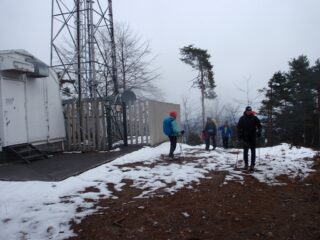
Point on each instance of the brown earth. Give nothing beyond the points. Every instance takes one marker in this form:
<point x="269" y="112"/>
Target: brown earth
<point x="211" y="210"/>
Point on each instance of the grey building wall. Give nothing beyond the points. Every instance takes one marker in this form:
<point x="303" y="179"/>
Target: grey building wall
<point x="157" y="112"/>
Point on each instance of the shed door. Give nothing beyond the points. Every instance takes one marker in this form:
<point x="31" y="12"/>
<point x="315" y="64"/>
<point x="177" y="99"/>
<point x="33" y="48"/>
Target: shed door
<point x="14" y="112"/>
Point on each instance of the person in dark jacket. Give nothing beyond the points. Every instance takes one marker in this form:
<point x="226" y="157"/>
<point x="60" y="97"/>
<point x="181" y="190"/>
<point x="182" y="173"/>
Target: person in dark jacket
<point x="210" y="131"/>
<point x="225" y="134"/>
<point x="249" y="127"/>
<point x="170" y="128"/>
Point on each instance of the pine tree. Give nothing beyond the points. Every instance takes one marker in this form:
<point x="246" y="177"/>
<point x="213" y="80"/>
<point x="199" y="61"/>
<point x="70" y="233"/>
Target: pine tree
<point x="274" y="106"/>
<point x="301" y="99"/>
<point x="198" y="59"/>
<point x="315" y="78"/>
<point x="292" y="104"/>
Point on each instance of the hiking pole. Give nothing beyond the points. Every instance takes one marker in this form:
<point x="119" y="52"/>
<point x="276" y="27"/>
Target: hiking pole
<point x="180" y="145"/>
<point x="236" y="165"/>
<point x="258" y="152"/>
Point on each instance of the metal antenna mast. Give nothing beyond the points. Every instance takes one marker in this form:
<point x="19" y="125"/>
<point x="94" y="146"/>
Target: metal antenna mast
<point x="76" y="52"/>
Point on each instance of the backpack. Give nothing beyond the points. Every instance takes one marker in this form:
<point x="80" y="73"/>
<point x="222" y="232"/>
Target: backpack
<point x="167" y="129"/>
<point x="211" y="129"/>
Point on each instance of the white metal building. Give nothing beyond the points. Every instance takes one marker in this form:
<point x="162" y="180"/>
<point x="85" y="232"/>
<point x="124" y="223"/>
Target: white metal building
<point x="30" y="103"/>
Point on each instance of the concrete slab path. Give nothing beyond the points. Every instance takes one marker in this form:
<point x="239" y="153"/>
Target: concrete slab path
<point x="60" y="166"/>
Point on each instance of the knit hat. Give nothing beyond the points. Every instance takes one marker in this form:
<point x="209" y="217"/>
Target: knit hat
<point x="173" y="114"/>
<point x="248" y="108"/>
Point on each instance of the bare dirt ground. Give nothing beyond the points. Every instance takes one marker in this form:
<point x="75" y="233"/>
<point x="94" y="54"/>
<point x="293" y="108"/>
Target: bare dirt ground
<point x="211" y="211"/>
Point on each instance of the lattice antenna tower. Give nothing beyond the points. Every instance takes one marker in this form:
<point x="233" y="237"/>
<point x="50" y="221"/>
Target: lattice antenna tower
<point x="77" y="54"/>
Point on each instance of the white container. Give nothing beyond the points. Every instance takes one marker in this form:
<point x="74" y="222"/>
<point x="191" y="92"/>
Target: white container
<point x="30" y="104"/>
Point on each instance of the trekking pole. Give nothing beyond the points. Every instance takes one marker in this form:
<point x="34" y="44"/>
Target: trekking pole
<point x="180" y="145"/>
<point x="257" y="147"/>
<point x="236" y="165"/>
<point x="258" y="153"/>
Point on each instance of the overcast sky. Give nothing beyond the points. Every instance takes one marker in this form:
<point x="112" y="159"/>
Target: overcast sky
<point x="248" y="40"/>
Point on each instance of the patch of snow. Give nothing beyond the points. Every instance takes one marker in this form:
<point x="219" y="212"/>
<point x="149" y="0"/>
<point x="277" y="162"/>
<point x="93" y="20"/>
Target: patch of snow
<point x="42" y="210"/>
<point x="185" y="214"/>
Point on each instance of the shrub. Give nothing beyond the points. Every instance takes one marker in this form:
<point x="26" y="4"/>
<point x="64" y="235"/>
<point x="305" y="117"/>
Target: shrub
<point x="194" y="139"/>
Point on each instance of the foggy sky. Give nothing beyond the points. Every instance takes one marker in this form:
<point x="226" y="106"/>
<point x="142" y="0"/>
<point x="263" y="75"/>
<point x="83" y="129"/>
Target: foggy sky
<point x="248" y="40"/>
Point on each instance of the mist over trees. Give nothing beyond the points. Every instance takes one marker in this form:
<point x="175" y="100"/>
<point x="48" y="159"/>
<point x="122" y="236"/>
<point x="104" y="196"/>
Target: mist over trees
<point x="135" y="64"/>
<point x="220" y="112"/>
<point x="198" y="59"/>
<point x="291" y="105"/>
<point x="289" y="111"/>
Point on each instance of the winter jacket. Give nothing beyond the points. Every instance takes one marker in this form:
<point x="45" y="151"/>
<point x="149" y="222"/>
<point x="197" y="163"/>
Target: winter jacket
<point x="248" y="126"/>
<point x="210" y="128"/>
<point x="225" y="131"/>
<point x="170" y="127"/>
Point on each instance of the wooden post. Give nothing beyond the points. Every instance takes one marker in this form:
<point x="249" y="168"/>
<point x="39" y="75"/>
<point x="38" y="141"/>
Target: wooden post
<point x="68" y="124"/>
<point x="109" y="129"/>
<point x="131" y="122"/>
<point x="78" y="121"/>
<point x="88" y="126"/>
<point x="84" y="126"/>
<point x="136" y="123"/>
<point x="124" y="117"/>
<point x="140" y="121"/>
<point x="146" y="124"/>
<point x="103" y="126"/>
<point x="74" y="139"/>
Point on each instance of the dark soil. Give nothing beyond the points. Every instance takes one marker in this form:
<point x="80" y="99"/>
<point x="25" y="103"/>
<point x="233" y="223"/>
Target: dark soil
<point x="211" y="210"/>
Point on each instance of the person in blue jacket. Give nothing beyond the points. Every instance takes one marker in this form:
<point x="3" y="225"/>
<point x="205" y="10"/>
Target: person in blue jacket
<point x="226" y="133"/>
<point x="170" y="128"/>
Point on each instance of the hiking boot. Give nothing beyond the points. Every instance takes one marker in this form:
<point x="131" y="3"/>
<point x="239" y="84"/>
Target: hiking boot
<point x="251" y="168"/>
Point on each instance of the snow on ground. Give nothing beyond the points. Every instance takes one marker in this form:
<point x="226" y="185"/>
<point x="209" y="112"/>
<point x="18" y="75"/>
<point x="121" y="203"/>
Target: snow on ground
<point x="42" y="210"/>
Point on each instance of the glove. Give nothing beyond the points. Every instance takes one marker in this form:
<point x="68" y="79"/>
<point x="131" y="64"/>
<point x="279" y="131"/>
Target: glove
<point x="182" y="132"/>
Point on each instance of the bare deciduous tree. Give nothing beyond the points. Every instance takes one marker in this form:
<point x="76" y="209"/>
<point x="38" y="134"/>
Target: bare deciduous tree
<point x="135" y="65"/>
<point x="134" y="62"/>
<point x="191" y="119"/>
<point x="232" y="113"/>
